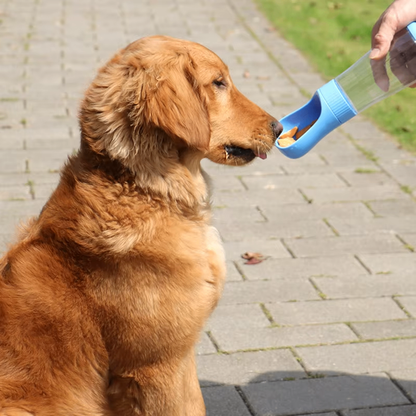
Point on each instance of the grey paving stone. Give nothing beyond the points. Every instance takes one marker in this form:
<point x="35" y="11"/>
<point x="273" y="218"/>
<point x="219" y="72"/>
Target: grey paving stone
<point x="357" y="226"/>
<point x="361" y="358"/>
<point x="398" y="208"/>
<point x="386" y="151"/>
<point x="9" y="225"/>
<point x="298" y="268"/>
<point x="13" y="161"/>
<point x="50" y="178"/>
<point x="10" y="105"/>
<point x="338" y="138"/>
<point x="363" y="193"/>
<point x="409" y="302"/>
<point x="204" y="345"/>
<point x="325" y="394"/>
<point x="231" y="317"/>
<point x="12" y="140"/>
<point x="70" y="145"/>
<point x="383" y="411"/>
<point x="43" y="191"/>
<point x="246" y="215"/>
<point x="361" y="128"/>
<point x="409" y="238"/>
<point x="329" y="180"/>
<point x="46" y="161"/>
<point x="259" y="197"/>
<point x="310" y="163"/>
<point x="323" y="414"/>
<point x="368" y="286"/>
<point x="246" y="367"/>
<point x="389" y="263"/>
<point x="224" y="401"/>
<point x="21" y="209"/>
<point x="280" y="111"/>
<point x="269" y="248"/>
<point x="227" y="183"/>
<point x="331" y="311"/>
<point x="287" y="97"/>
<point x="405" y="175"/>
<point x="309" y="81"/>
<point x="267" y="291"/>
<point x="5" y="241"/>
<point x="363" y="178"/>
<point x="240" y="339"/>
<point x="342" y="154"/>
<point x="10" y="193"/>
<point x="10" y="123"/>
<point x="335" y="246"/>
<point x="51" y="79"/>
<point x="388" y="329"/>
<point x="233" y="275"/>
<point x="406" y="379"/>
<point x="36" y="97"/>
<point x="234" y="230"/>
<point x="256" y="168"/>
<point x="302" y="212"/>
<point x="23" y="179"/>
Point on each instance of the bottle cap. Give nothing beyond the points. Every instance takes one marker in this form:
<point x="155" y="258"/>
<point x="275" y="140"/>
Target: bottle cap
<point x="412" y="30"/>
<point x="337" y="101"/>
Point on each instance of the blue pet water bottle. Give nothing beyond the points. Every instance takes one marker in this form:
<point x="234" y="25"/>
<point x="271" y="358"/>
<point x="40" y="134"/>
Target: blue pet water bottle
<point x="359" y="87"/>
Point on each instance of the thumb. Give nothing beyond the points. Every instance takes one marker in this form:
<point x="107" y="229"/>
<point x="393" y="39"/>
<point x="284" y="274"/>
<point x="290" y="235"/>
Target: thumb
<point x="381" y="39"/>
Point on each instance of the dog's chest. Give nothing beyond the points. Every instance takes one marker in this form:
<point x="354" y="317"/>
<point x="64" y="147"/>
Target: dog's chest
<point x="158" y="305"/>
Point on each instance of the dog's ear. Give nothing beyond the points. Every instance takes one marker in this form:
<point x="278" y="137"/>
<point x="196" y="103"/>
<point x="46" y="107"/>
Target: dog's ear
<point x="140" y="92"/>
<point x="176" y="104"/>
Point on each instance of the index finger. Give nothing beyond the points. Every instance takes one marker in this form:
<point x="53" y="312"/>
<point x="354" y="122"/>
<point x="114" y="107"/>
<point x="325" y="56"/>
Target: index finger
<point x="382" y="36"/>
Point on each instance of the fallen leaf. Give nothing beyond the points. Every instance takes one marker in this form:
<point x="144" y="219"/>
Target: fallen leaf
<point x="253" y="258"/>
<point x="253" y="261"/>
<point x="249" y="255"/>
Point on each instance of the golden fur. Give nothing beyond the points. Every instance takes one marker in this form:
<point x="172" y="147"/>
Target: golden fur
<point x="104" y="295"/>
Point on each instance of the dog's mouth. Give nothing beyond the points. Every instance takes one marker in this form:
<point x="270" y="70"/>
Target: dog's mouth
<point x="241" y="153"/>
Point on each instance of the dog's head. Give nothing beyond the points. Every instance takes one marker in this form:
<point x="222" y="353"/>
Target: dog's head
<point x="160" y="96"/>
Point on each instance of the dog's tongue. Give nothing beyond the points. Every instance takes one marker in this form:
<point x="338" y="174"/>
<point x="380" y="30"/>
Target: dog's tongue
<point x="262" y="156"/>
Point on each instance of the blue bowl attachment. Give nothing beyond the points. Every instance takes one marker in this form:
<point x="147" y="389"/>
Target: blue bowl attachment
<point x="329" y="108"/>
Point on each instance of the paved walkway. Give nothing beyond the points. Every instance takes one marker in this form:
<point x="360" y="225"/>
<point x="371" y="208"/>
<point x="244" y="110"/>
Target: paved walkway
<point x="325" y="325"/>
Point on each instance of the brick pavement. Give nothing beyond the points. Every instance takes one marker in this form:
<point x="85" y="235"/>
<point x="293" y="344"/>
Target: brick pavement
<point x="326" y="325"/>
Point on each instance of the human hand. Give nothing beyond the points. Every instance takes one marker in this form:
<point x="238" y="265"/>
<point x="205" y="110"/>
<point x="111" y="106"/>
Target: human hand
<point x="396" y="17"/>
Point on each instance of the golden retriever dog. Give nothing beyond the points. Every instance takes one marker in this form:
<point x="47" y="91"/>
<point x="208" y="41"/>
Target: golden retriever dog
<point x="103" y="297"/>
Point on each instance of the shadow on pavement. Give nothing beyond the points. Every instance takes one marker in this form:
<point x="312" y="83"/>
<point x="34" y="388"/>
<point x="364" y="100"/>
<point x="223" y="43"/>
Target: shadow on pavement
<point x="329" y="394"/>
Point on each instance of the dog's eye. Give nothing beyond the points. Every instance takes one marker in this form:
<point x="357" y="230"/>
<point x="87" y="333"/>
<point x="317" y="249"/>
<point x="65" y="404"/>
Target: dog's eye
<point x="220" y="83"/>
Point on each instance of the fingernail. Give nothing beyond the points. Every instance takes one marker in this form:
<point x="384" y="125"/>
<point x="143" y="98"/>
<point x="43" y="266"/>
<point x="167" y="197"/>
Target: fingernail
<point x="374" y="53"/>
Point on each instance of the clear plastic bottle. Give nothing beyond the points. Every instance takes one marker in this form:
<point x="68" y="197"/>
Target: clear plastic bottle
<point x="368" y="81"/>
<point x="359" y="87"/>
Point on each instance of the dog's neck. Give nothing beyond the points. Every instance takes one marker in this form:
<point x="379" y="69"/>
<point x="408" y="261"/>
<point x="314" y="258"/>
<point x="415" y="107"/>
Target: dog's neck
<point x="120" y="207"/>
<point x="175" y="177"/>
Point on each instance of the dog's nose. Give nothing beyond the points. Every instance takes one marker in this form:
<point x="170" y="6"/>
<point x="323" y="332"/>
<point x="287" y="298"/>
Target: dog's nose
<point x="276" y="127"/>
